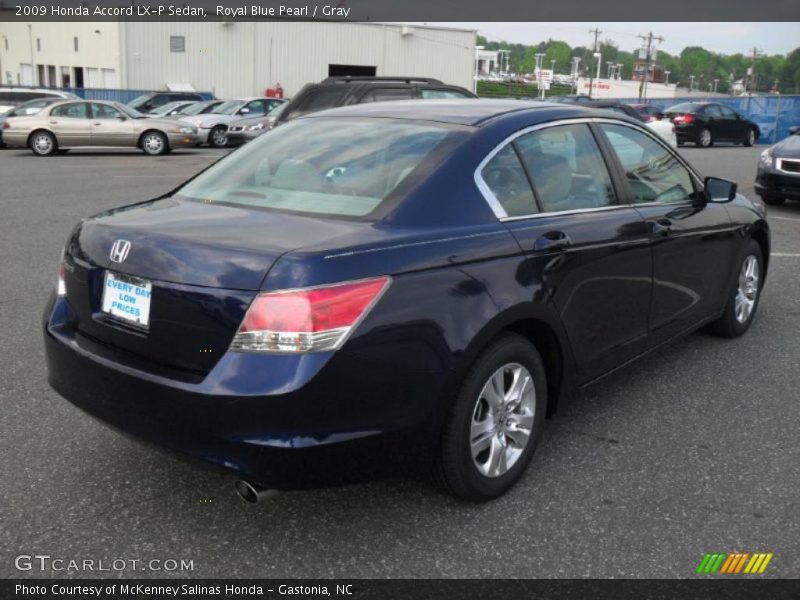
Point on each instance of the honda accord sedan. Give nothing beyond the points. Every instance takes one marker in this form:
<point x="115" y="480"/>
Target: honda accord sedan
<point x="778" y="173"/>
<point x="414" y="283"/>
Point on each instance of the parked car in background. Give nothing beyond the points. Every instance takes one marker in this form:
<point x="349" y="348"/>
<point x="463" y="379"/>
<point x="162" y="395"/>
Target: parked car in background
<point x="82" y="124"/>
<point x="198" y="108"/>
<point x="664" y="128"/>
<point x="153" y="100"/>
<point x="778" y="173"/>
<point x="704" y="123"/>
<point x="418" y="282"/>
<point x="11" y="97"/>
<point x="648" y="112"/>
<point x="341" y="91"/>
<point x="244" y="130"/>
<point x="26" y="108"/>
<point x="171" y="109"/>
<point x="213" y="126"/>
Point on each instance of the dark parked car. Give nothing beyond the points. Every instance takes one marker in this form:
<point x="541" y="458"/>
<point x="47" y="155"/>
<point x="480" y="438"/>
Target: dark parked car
<point x="648" y="112"/>
<point x="778" y="175"/>
<point x="704" y="123"/>
<point x="149" y="102"/>
<point x="398" y="282"/>
<point x="341" y="91"/>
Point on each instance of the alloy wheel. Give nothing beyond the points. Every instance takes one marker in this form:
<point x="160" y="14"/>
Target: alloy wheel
<point x="747" y="290"/>
<point x="219" y="136"/>
<point x="153" y="143"/>
<point x="43" y="143"/>
<point x="502" y="420"/>
<point x="705" y="138"/>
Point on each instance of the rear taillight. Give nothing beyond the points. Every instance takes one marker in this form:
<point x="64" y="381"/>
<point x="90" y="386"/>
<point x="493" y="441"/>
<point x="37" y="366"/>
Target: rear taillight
<point x="683" y="119"/>
<point x="307" y="320"/>
<point x="61" y="287"/>
<point x="6" y="125"/>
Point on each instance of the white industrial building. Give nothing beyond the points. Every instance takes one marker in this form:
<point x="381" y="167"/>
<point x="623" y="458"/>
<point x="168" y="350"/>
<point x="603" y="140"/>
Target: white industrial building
<point x="230" y="59"/>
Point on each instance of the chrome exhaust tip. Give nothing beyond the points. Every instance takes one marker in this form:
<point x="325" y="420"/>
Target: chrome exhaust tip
<point x="251" y="492"/>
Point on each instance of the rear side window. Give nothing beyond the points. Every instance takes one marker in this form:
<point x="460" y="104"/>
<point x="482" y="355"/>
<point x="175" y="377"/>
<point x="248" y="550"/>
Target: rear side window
<point x="727" y="112"/>
<point x="317" y="99"/>
<point x="438" y="94"/>
<point x="386" y="94"/>
<point x="567" y="169"/>
<point x="506" y="179"/>
<point x="320" y="166"/>
<point x="712" y="110"/>
<point x="75" y="110"/>
<point x="654" y="174"/>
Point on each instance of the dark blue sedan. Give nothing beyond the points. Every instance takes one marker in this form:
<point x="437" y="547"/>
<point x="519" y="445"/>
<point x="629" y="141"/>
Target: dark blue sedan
<point x="397" y="284"/>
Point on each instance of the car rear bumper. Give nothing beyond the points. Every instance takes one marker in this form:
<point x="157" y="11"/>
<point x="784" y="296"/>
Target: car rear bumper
<point x="769" y="183"/>
<point x="284" y="421"/>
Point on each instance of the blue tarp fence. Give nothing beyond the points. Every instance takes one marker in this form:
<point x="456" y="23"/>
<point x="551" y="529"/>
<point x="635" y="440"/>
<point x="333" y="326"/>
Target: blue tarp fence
<point x="774" y="115"/>
<point x="123" y="96"/>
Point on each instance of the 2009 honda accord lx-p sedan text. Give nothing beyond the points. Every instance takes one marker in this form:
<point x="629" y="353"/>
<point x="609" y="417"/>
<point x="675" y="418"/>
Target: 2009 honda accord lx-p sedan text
<point x="397" y="283"/>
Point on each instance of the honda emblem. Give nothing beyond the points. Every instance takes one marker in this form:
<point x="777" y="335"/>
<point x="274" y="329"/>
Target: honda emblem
<point x="119" y="251"/>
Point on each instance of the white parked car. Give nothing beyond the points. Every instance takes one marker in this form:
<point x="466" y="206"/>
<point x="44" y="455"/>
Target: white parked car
<point x="663" y="127"/>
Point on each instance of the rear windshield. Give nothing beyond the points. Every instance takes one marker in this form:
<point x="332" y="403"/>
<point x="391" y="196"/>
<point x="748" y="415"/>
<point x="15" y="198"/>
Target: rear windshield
<point x="340" y="167"/>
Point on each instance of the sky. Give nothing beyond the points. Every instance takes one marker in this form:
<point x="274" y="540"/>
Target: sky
<point x="724" y="38"/>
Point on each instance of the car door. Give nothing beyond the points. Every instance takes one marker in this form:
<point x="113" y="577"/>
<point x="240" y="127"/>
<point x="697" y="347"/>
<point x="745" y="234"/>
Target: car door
<point x="71" y="124"/>
<point x="254" y="108"/>
<point x="716" y="124"/>
<point x="735" y="126"/>
<point x="692" y="241"/>
<point x="588" y="250"/>
<point x="110" y="127"/>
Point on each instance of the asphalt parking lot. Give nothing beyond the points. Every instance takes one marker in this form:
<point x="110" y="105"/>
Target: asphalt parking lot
<point x="695" y="450"/>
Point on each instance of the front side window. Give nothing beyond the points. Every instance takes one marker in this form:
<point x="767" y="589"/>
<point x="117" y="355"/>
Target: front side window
<point x="654" y="173"/>
<point x="506" y="179"/>
<point x="321" y="166"/>
<point x="712" y="110"/>
<point x="74" y="110"/>
<point x="566" y="167"/>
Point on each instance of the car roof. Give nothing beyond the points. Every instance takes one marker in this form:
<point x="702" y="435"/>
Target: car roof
<point x="460" y="112"/>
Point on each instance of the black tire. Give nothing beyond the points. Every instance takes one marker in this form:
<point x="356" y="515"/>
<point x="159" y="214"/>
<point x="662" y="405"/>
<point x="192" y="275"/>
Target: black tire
<point x="217" y="137"/>
<point x="728" y="325"/>
<point x="43" y="143"/>
<point x="773" y="200"/>
<point x="750" y="137"/>
<point x="456" y="469"/>
<point x="703" y="140"/>
<point x="154" y="143"/>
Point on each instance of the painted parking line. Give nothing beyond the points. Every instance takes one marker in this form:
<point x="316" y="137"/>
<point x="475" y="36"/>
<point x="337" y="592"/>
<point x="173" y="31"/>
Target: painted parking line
<point x="789" y="254"/>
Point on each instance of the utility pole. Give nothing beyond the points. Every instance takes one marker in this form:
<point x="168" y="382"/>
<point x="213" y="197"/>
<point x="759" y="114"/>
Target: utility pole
<point x="596" y="33"/>
<point x="751" y="79"/>
<point x="649" y="39"/>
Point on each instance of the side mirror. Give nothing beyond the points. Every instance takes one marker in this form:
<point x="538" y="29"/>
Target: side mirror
<point x="794" y="130"/>
<point x="719" y="190"/>
<point x="244" y="111"/>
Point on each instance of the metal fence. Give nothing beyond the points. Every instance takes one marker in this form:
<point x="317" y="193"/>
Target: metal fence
<point x="774" y="115"/>
<point x="119" y="95"/>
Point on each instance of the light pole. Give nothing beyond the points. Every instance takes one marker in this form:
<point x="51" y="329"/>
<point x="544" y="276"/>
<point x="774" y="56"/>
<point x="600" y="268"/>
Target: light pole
<point x="666" y="74"/>
<point x="475" y="77"/>
<point x="691" y="82"/>
<point x="599" y="58"/>
<point x="716" y="82"/>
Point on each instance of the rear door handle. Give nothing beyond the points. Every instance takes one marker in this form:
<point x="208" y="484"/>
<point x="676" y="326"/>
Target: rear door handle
<point x="96" y="123"/>
<point x="552" y="241"/>
<point x="661" y="227"/>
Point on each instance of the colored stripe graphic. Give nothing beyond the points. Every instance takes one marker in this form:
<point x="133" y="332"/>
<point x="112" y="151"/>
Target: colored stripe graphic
<point x="734" y="563"/>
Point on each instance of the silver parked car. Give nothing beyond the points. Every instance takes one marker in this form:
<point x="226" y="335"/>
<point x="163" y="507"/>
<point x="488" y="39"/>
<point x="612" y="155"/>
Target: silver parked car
<point x="214" y="125"/>
<point x="242" y="131"/>
<point x="66" y="125"/>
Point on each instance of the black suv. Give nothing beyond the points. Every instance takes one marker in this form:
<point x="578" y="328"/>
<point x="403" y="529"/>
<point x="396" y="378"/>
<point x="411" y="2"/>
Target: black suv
<point x="341" y="91"/>
<point x="147" y="102"/>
